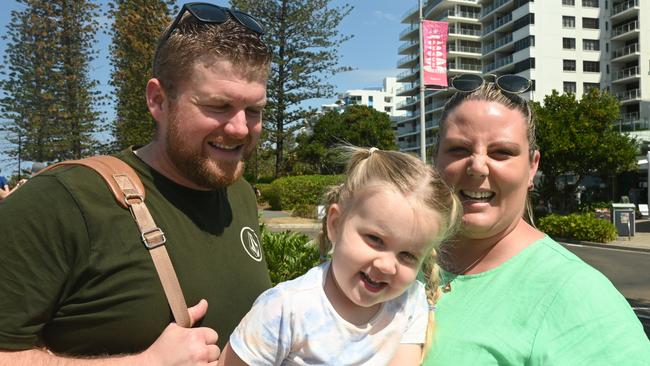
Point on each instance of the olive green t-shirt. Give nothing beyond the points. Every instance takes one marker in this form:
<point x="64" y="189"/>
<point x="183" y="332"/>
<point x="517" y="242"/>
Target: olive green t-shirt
<point x="76" y="277"/>
<point x="544" y="306"/>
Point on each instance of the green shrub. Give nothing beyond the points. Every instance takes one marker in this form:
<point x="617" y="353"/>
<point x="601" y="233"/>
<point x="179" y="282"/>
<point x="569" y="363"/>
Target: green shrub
<point x="271" y="195"/>
<point x="288" y="254"/>
<point x="302" y="190"/>
<point x="304" y="211"/>
<point x="578" y="227"/>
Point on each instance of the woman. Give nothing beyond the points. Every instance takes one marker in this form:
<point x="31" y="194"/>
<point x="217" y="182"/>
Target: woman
<point x="511" y="295"/>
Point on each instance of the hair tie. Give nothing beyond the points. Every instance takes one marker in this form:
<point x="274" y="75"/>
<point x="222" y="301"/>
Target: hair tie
<point x="372" y="150"/>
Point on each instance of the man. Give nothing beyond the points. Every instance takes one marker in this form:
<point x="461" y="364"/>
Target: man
<point x="78" y="287"/>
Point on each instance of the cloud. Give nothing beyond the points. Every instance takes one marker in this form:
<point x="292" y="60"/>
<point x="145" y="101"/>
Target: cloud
<point x="363" y="78"/>
<point x="379" y="16"/>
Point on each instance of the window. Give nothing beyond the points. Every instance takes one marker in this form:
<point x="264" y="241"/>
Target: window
<point x="591" y="45"/>
<point x="590" y="23"/>
<point x="388" y="109"/>
<point x="525" y="43"/>
<point x="523" y="21"/>
<point x="524" y="65"/>
<point x="569" y="65"/>
<point x="569" y="2"/>
<point x="590" y="66"/>
<point x="569" y="43"/>
<point x="388" y="99"/>
<point x="568" y="22"/>
<point x="590" y="3"/>
<point x="569" y="87"/>
<point x="586" y="87"/>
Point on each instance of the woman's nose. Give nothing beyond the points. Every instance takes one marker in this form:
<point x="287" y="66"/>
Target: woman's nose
<point x="477" y="166"/>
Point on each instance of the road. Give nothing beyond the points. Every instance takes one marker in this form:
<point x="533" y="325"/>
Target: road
<point x="628" y="271"/>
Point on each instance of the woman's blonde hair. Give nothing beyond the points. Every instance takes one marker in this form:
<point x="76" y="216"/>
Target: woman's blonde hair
<point x="408" y="175"/>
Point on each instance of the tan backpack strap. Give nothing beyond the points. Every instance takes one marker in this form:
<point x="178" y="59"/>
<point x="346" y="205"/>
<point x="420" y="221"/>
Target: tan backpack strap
<point x="129" y="193"/>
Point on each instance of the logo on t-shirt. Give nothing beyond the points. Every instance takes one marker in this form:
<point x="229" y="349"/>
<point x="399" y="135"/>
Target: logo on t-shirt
<point x="251" y="243"/>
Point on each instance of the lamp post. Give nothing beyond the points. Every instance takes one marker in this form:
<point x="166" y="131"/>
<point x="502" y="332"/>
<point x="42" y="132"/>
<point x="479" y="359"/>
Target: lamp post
<point x="423" y="127"/>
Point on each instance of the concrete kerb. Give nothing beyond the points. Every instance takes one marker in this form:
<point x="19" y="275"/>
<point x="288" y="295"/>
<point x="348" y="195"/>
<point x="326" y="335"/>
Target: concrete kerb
<point x="611" y="245"/>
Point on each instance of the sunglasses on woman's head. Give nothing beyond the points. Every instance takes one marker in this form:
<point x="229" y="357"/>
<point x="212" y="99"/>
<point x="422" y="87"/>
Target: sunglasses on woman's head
<point x="210" y="13"/>
<point x="514" y="84"/>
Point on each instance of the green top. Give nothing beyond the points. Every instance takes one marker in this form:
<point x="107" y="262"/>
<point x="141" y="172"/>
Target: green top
<point x="76" y="276"/>
<point x="544" y="306"/>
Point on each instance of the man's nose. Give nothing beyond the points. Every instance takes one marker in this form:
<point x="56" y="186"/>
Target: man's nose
<point x="237" y="126"/>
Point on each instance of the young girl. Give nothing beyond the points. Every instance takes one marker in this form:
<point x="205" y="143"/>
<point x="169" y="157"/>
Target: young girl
<point x="364" y="306"/>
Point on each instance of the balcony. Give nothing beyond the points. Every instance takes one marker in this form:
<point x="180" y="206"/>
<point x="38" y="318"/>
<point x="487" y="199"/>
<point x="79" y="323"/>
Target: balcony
<point x="432" y="4"/>
<point x="408" y="101"/>
<point x="411" y="28"/>
<point x="625" y="51"/>
<point x="625" y="28"/>
<point x="501" y="21"/>
<point x="406" y="75"/>
<point x="466" y="49"/>
<point x="626" y="73"/>
<point x="410" y="11"/>
<point x="492" y="7"/>
<point x="498" y="63"/>
<point x="410" y="88"/>
<point x="465" y="31"/>
<point x="406" y="61"/>
<point x="620" y="8"/>
<point x="407" y="45"/>
<point x="463" y="67"/>
<point x="628" y="95"/>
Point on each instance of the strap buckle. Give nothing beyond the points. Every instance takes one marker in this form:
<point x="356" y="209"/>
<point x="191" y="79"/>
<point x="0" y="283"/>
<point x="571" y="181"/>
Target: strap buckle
<point x="132" y="196"/>
<point x="149" y="241"/>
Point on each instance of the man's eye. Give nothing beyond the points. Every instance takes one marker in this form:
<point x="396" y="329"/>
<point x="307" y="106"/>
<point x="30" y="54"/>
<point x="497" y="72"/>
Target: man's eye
<point x="254" y="112"/>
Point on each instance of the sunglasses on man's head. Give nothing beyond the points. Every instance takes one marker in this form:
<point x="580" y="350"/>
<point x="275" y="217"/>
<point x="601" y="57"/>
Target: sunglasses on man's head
<point x="210" y="13"/>
<point x="514" y="84"/>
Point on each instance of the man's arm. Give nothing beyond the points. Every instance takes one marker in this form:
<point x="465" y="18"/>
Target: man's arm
<point x="176" y="346"/>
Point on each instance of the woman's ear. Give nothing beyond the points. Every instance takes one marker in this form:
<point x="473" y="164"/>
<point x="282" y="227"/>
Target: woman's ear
<point x="333" y="221"/>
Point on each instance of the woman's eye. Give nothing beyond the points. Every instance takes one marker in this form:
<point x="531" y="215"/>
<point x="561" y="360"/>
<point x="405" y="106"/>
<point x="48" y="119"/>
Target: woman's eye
<point x="457" y="150"/>
<point x="503" y="154"/>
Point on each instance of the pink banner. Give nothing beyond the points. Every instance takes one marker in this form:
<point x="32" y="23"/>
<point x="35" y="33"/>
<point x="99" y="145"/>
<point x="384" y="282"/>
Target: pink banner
<point x="434" y="60"/>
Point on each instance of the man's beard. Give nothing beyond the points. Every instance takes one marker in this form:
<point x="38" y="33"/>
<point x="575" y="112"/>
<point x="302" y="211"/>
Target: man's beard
<point x="196" y="165"/>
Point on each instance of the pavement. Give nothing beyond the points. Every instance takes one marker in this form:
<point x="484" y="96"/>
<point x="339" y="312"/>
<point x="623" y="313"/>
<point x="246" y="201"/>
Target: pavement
<point x="282" y="221"/>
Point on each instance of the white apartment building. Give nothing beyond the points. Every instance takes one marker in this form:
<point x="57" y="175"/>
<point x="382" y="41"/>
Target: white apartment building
<point x="383" y="99"/>
<point x="566" y="45"/>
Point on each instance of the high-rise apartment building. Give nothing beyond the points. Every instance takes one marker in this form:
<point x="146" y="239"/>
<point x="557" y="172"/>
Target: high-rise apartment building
<point x="463" y="56"/>
<point x="566" y="45"/>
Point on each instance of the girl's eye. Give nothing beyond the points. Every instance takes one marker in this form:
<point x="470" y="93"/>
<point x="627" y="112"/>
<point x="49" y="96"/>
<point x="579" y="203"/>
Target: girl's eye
<point x="374" y="240"/>
<point x="409" y="258"/>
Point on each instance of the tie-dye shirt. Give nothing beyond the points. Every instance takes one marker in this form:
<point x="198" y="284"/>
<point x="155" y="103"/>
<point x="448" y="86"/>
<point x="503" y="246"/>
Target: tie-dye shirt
<point x="295" y="324"/>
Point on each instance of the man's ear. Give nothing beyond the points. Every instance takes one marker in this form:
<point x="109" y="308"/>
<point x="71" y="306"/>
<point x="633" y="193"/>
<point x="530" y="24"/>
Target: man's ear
<point x="334" y="217"/>
<point x="156" y="99"/>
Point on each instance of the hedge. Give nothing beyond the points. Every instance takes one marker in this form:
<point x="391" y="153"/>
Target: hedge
<point x="290" y="192"/>
<point x="578" y="227"/>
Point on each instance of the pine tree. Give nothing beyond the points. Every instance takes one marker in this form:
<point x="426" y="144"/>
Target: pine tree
<point x="47" y="105"/>
<point x="304" y="38"/>
<point x="78" y="118"/>
<point x="136" y="29"/>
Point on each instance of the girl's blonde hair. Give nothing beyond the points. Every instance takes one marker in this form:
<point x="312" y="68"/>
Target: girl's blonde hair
<point x="409" y="176"/>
